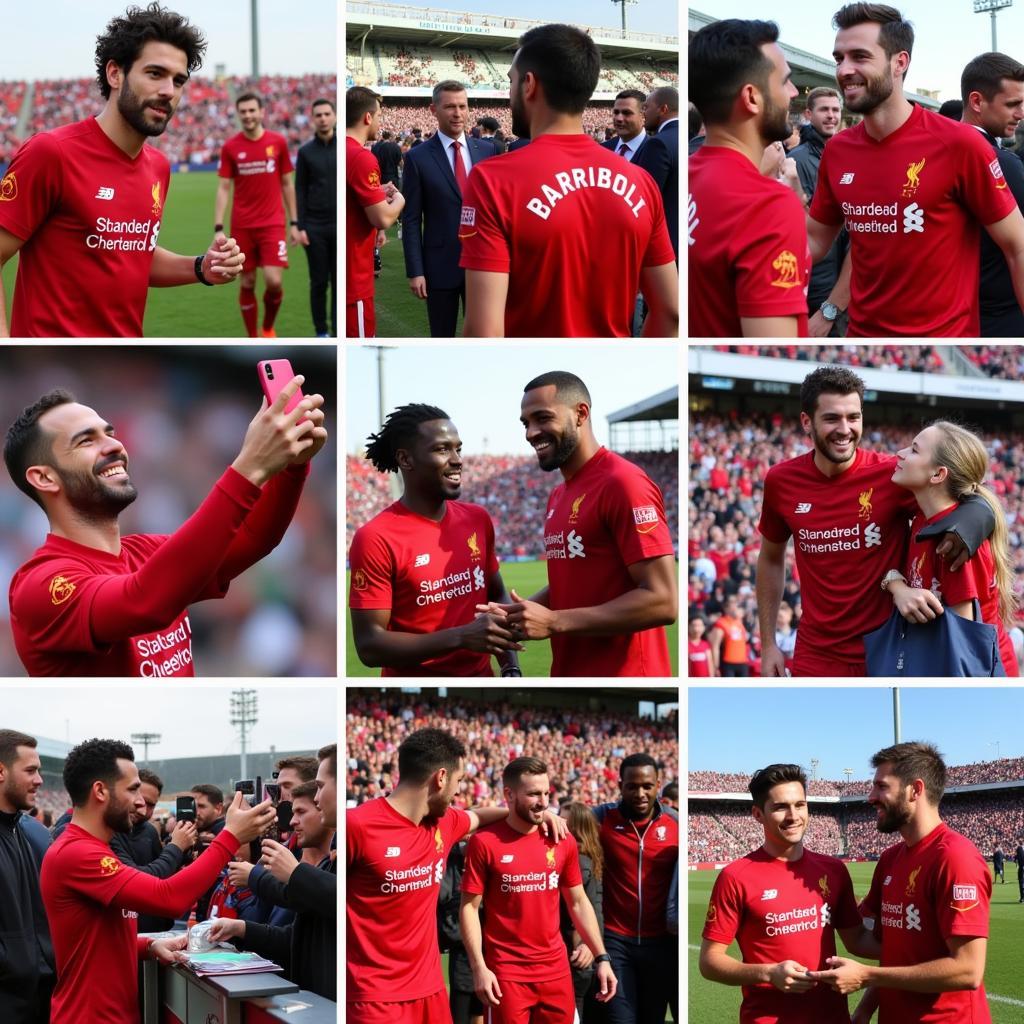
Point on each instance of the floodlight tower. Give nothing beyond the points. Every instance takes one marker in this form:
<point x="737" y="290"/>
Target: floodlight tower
<point x="624" y="2"/>
<point x="815" y="762"/>
<point x="146" y="739"/>
<point x="255" y="43"/>
<point x="991" y="6"/>
<point x="244" y="715"/>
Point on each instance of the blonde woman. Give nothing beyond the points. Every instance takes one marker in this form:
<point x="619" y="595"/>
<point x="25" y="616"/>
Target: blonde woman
<point x="944" y="464"/>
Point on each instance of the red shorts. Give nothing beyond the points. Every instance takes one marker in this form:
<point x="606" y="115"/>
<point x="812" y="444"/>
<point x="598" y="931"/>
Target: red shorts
<point x="807" y="663"/>
<point x="360" y="319"/>
<point x="428" y="1010"/>
<point x="534" y="1002"/>
<point x="263" y="247"/>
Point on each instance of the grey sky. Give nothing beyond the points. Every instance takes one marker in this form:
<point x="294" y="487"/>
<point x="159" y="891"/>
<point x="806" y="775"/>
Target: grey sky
<point x="479" y="386"/>
<point x="192" y="718"/>
<point x="948" y="33"/>
<point x="741" y="730"/>
<point x="56" y="39"/>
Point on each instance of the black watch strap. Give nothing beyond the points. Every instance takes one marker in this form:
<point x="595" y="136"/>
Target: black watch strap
<point x="199" y="272"/>
<point x="604" y="958"/>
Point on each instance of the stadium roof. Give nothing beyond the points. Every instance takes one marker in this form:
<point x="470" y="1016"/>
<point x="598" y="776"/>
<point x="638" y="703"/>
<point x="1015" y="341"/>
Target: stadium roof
<point x="809" y="70"/>
<point x="662" y="406"/>
<point x="432" y="26"/>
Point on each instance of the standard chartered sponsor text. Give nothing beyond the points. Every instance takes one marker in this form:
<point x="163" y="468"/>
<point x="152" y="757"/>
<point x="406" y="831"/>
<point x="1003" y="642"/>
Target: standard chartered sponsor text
<point x="117" y="235"/>
<point x="408" y="879"/>
<point x="528" y="881"/>
<point x="837" y="538"/>
<point x="455" y="584"/>
<point x="800" y="919"/>
<point x="152" y="648"/>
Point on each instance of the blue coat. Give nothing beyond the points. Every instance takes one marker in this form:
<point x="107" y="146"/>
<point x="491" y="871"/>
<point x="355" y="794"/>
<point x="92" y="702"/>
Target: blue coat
<point x="659" y="156"/>
<point x="433" y="205"/>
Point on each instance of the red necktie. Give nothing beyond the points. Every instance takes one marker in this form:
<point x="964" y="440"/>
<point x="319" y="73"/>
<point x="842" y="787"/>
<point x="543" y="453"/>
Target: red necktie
<point x="624" y="150"/>
<point x="460" y="168"/>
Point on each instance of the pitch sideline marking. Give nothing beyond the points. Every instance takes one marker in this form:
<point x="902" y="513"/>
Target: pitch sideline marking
<point x="992" y="998"/>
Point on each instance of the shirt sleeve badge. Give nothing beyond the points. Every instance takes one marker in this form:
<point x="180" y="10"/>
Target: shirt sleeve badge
<point x="61" y="589"/>
<point x="8" y="188"/>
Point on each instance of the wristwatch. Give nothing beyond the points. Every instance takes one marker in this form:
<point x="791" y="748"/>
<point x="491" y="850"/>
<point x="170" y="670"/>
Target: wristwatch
<point x="604" y="958"/>
<point x="829" y="310"/>
<point x="198" y="267"/>
<point x="511" y="670"/>
<point x="890" y="577"/>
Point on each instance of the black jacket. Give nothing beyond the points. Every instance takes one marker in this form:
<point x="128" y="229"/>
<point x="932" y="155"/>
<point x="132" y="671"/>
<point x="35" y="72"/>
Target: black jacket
<point x="307" y="948"/>
<point x="26" y="952"/>
<point x="316" y="183"/>
<point x="141" y="849"/>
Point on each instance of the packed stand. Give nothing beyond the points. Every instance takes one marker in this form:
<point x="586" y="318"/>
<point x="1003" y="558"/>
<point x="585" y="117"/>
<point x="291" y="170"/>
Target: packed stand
<point x="735" y="782"/>
<point x="287" y="102"/>
<point x="12" y="95"/>
<point x="998" y="361"/>
<point x="279" y="617"/>
<point x="913" y="358"/>
<point x="512" y="488"/>
<point x="726" y="830"/>
<point x="582" y="750"/>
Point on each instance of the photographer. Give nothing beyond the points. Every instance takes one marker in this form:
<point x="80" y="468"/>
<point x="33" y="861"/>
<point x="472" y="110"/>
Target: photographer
<point x="92" y="899"/>
<point x="308" y="944"/>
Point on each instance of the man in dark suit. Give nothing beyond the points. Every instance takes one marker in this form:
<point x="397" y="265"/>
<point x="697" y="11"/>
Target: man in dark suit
<point x="434" y="178"/>
<point x="660" y="154"/>
<point x="628" y="121"/>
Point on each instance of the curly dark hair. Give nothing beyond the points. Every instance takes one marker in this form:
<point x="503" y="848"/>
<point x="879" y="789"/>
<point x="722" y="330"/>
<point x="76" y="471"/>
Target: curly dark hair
<point x="127" y="35"/>
<point x="92" y="761"/>
<point x="828" y="380"/>
<point x="27" y="444"/>
<point x="398" y="431"/>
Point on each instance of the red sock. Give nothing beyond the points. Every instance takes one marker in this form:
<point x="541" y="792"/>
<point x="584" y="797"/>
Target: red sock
<point x="247" y="302"/>
<point x="271" y="304"/>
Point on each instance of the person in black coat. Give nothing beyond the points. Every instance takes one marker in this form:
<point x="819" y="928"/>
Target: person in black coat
<point x="659" y="156"/>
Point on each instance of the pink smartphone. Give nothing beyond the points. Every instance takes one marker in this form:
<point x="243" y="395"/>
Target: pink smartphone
<point x="274" y="375"/>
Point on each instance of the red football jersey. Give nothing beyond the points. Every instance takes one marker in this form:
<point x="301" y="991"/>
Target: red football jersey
<point x="363" y="188"/>
<point x="977" y="579"/>
<point x="607" y="517"/>
<point x="258" y="167"/>
<point x="431" y="575"/>
<point x="93" y="924"/>
<point x="848" y="532"/>
<point x="784" y="910"/>
<point x="90" y="216"/>
<point x="394" y="869"/>
<point x="520" y="878"/>
<point x="699" y="658"/>
<point x="921" y="896"/>
<point x="640" y="861"/>
<point x="913" y="204"/>
<point x="748" y="252"/>
<point x="536" y="213"/>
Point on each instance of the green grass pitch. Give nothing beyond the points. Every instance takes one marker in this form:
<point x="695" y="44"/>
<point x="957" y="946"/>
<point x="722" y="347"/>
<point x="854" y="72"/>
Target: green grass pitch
<point x="527" y="578"/>
<point x="193" y="311"/>
<point x="710" y="1003"/>
<point x="399" y="313"/>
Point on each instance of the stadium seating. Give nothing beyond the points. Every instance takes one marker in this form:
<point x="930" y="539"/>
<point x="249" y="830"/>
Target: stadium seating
<point x="511" y="487"/>
<point x="721" y="830"/>
<point x="582" y="750"/>
<point x="917" y="358"/>
<point x="997" y="361"/>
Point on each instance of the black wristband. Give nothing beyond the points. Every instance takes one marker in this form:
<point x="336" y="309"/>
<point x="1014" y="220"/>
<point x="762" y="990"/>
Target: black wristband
<point x="198" y="265"/>
<point x="218" y="227"/>
<point x="511" y="670"/>
<point x="293" y="223"/>
<point x="604" y="958"/>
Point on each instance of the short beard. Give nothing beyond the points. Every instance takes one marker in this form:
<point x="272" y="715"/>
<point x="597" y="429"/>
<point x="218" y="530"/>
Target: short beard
<point x="118" y="819"/>
<point x="876" y="92"/>
<point x="17" y="799"/>
<point x="132" y="109"/>
<point x="821" y="447"/>
<point x="564" y="450"/>
<point x="893" y="819"/>
<point x="91" y="498"/>
<point x="775" y="122"/>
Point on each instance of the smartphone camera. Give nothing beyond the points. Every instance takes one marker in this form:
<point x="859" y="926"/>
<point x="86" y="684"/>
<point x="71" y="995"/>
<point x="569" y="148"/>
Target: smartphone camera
<point x="269" y="370"/>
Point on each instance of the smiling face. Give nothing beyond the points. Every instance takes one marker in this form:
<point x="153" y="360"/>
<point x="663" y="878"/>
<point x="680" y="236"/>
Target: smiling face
<point x="836" y="427"/>
<point x="775" y="126"/>
<point x="89" y="467"/>
<point x="915" y="464"/>
<point x="866" y="76"/>
<point x="825" y="115"/>
<point x="639" y="787"/>
<point x="529" y="799"/>
<point x="891" y="799"/>
<point x="783" y="816"/>
<point x="432" y="463"/>
<point x="627" y="118"/>
<point x="250" y="116"/>
<point x="151" y="90"/>
<point x="551" y="427"/>
<point x="307" y="823"/>
<point x="125" y="805"/>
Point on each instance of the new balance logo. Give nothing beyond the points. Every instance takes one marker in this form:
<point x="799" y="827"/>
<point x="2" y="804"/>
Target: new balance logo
<point x="872" y="536"/>
<point x="769" y="894"/>
<point x="847" y="178"/>
<point x="421" y="560"/>
<point x="913" y="219"/>
<point x="506" y="858"/>
<point x="393" y="851"/>
<point x="104" y="193"/>
<point x="802" y="507"/>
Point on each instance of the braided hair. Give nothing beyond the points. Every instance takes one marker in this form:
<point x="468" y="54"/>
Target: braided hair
<point x="398" y="431"/>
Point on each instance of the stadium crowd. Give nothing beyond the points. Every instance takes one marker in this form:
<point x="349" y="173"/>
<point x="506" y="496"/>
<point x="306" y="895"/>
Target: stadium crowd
<point x="916" y="358"/>
<point x="512" y="488"/>
<point x="729" y="458"/>
<point x="279" y="618"/>
<point x="734" y="782"/>
<point x="1000" y="361"/>
<point x="583" y="750"/>
<point x="204" y="120"/>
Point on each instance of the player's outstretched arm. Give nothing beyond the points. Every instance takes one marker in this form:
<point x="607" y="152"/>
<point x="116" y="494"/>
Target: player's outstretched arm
<point x="585" y="921"/>
<point x="716" y="965"/>
<point x="221" y="263"/>
<point x="485" y="984"/>
<point x="380" y="647"/>
<point x="660" y="287"/>
<point x="964" y="968"/>
<point x="771" y="578"/>
<point x="486" y="294"/>
<point x="382" y="215"/>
